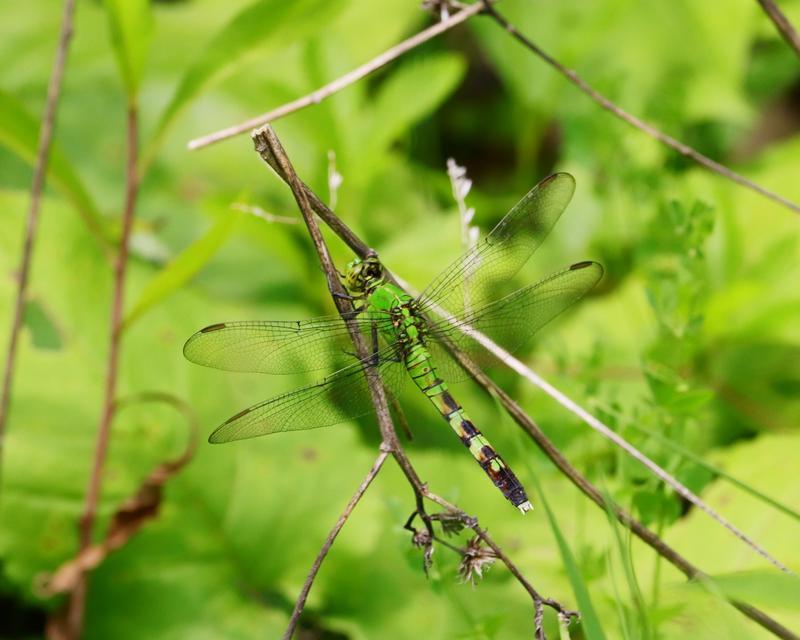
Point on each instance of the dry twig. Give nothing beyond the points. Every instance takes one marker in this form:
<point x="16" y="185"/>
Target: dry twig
<point x="39" y="173"/>
<point x="538" y="436"/>
<point x="133" y="513"/>
<point x="340" y="83"/>
<point x="270" y="149"/>
<point x="782" y="24"/>
<point x="301" y="599"/>
<point x="485" y="6"/>
<point x="650" y="130"/>
<point x="78" y="597"/>
<point x="129" y="518"/>
<point x="573" y="407"/>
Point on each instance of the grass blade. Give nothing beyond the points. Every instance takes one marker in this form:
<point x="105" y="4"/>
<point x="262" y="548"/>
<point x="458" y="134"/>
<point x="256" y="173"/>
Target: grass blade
<point x="182" y="268"/>
<point x="19" y="133"/>
<point x="266" y="26"/>
<point x="590" y="621"/>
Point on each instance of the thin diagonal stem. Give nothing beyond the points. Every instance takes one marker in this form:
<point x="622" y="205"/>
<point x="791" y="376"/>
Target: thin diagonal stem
<point x="270" y="149"/>
<point x="39" y="173"/>
<point x="340" y="83"/>
<point x="782" y="24"/>
<point x="267" y="143"/>
<point x="472" y="522"/>
<point x="301" y="599"/>
<point x="595" y="495"/>
<point x="78" y="597"/>
<point x="360" y="248"/>
<point x="641" y="125"/>
<point x="573" y="407"/>
<point x="651" y="465"/>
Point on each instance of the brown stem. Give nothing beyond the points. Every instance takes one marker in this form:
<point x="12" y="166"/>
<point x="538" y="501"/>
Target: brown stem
<point x="270" y="149"/>
<point x="782" y="24"/>
<point x="594" y="494"/>
<point x="632" y="120"/>
<point x="552" y="452"/>
<point x="301" y="599"/>
<point x="340" y="83"/>
<point x="46" y="131"/>
<point x="267" y="144"/>
<point x="422" y="489"/>
<point x="77" y="600"/>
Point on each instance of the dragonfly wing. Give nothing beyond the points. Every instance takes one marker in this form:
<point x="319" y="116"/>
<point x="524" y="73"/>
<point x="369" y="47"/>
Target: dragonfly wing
<point x="278" y="347"/>
<point x="340" y="397"/>
<point x="472" y="279"/>
<point x="511" y="321"/>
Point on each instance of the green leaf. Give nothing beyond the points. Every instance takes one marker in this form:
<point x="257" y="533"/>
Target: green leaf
<point x="590" y="621"/>
<point x="268" y="25"/>
<point x="44" y="332"/>
<point x="717" y="471"/>
<point x="761" y="588"/>
<point x="19" y="132"/>
<point x="183" y="267"/>
<point x="400" y="102"/>
<point x="131" y="24"/>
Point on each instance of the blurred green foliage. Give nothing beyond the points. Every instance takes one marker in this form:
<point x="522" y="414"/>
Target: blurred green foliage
<point x="693" y="334"/>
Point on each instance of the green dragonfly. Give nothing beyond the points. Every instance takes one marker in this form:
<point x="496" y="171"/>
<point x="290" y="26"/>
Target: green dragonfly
<point x="409" y="337"/>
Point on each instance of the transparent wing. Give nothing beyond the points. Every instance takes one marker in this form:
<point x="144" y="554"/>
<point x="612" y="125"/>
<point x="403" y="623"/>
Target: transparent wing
<point x="278" y="347"/>
<point x="511" y="321"/>
<point x="340" y="397"/>
<point x="473" y="279"/>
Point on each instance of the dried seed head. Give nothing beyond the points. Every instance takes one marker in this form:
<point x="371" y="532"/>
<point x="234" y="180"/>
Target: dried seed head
<point x="450" y="521"/>
<point x="421" y="538"/>
<point x="475" y="558"/>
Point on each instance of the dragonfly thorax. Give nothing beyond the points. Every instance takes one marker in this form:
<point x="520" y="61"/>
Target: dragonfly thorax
<point x="363" y="276"/>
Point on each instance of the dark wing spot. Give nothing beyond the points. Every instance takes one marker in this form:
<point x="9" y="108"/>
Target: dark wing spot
<point x="213" y="327"/>
<point x="580" y="265"/>
<point x="244" y="412"/>
<point x="548" y="180"/>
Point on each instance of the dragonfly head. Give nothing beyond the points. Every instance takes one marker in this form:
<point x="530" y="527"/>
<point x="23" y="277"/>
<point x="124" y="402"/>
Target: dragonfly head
<point x="364" y="274"/>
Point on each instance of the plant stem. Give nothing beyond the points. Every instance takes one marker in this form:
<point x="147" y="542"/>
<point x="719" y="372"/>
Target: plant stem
<point x="531" y="428"/>
<point x="78" y="598"/>
<point x="323" y="552"/>
<point x="340" y="83"/>
<point x="270" y="149"/>
<point x="782" y="24"/>
<point x="641" y="125"/>
<point x="46" y="132"/>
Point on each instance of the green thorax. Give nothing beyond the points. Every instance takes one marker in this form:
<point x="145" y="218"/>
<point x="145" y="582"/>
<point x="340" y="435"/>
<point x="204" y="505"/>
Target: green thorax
<point x="366" y="279"/>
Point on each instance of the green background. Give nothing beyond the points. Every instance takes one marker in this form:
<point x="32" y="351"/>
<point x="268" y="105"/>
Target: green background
<point x="693" y="334"/>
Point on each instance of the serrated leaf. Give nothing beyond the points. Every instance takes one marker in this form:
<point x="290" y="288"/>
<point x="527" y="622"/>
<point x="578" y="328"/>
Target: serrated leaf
<point x="19" y="132"/>
<point x="183" y="267"/>
<point x="266" y="26"/>
<point x="131" y="24"/>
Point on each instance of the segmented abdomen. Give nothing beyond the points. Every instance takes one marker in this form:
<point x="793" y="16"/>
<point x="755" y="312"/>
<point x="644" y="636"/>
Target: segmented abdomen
<point x="423" y="372"/>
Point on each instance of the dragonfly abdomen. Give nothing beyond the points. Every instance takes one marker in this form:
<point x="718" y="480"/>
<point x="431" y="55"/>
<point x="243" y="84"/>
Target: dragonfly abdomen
<point x="423" y="372"/>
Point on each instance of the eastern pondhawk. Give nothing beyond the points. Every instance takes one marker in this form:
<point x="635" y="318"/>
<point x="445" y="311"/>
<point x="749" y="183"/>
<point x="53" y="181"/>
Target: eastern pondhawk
<point x="408" y="336"/>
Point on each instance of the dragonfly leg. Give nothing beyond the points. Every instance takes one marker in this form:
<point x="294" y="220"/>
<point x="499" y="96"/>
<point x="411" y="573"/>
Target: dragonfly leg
<point x="346" y="296"/>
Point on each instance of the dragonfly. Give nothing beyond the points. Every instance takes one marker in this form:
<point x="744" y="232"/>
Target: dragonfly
<point x="409" y="338"/>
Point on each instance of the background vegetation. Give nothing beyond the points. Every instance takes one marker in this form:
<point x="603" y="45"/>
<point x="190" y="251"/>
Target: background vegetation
<point x="692" y="338"/>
